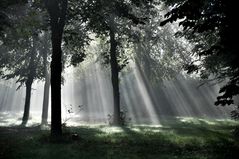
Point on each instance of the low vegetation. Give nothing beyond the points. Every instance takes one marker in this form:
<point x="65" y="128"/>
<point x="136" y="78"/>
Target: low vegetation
<point x="184" y="138"/>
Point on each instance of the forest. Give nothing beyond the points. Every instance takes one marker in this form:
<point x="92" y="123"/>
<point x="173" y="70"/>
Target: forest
<point x="134" y="79"/>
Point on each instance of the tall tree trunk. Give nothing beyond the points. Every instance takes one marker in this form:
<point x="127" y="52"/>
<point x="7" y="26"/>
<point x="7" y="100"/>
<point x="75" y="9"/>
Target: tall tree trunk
<point x="56" y="69"/>
<point x="46" y="91"/>
<point x="57" y="11"/>
<point x="27" y="101"/>
<point x="115" y="78"/>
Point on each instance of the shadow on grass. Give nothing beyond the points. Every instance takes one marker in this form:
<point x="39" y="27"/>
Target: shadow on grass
<point x="175" y="139"/>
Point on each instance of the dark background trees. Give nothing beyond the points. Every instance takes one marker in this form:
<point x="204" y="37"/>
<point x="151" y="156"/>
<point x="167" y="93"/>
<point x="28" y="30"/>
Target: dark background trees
<point x="21" y="52"/>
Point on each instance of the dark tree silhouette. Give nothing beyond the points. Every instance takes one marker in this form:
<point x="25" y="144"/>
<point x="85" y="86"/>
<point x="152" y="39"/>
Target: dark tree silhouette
<point x="30" y="78"/>
<point x="114" y="73"/>
<point x="57" y="10"/>
<point x="20" y="58"/>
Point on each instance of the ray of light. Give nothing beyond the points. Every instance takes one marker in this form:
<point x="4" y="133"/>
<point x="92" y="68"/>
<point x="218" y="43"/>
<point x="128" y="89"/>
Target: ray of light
<point x="145" y="96"/>
<point x="128" y="94"/>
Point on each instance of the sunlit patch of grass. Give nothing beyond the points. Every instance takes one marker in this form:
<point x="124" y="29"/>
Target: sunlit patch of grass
<point x="208" y="121"/>
<point x="14" y="119"/>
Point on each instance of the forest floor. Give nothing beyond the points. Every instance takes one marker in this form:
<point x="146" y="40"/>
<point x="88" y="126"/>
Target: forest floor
<point x="181" y="139"/>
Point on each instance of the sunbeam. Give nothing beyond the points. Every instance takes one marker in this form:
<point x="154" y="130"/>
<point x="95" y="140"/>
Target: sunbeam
<point x="88" y="98"/>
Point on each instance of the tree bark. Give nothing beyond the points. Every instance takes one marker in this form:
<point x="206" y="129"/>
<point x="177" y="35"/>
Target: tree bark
<point x="115" y="78"/>
<point x="27" y="102"/>
<point x="56" y="69"/>
<point x="57" y="11"/>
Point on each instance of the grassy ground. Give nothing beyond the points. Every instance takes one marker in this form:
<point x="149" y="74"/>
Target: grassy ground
<point x="177" y="139"/>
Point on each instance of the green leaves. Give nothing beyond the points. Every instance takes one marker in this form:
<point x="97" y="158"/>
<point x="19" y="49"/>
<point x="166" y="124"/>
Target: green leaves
<point x="210" y="26"/>
<point x="77" y="58"/>
<point x="22" y="46"/>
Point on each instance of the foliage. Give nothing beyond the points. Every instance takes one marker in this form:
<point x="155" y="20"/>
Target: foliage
<point x="76" y="35"/>
<point x="235" y="113"/>
<point x="4" y="6"/>
<point x="22" y="48"/>
<point x="158" y="52"/>
<point x="210" y="25"/>
<point x="97" y="17"/>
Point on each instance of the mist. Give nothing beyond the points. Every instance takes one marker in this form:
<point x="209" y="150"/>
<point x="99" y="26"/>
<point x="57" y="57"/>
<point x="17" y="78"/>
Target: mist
<point x="87" y="98"/>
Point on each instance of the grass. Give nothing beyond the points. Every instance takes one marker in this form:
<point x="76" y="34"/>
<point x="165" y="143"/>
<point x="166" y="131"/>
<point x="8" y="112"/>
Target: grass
<point x="182" y="138"/>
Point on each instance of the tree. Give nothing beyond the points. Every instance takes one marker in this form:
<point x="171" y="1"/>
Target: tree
<point x="210" y="25"/>
<point x="107" y="19"/>
<point x="21" y="56"/>
<point x="114" y="71"/>
<point x="57" y="10"/>
<point x="45" y="53"/>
